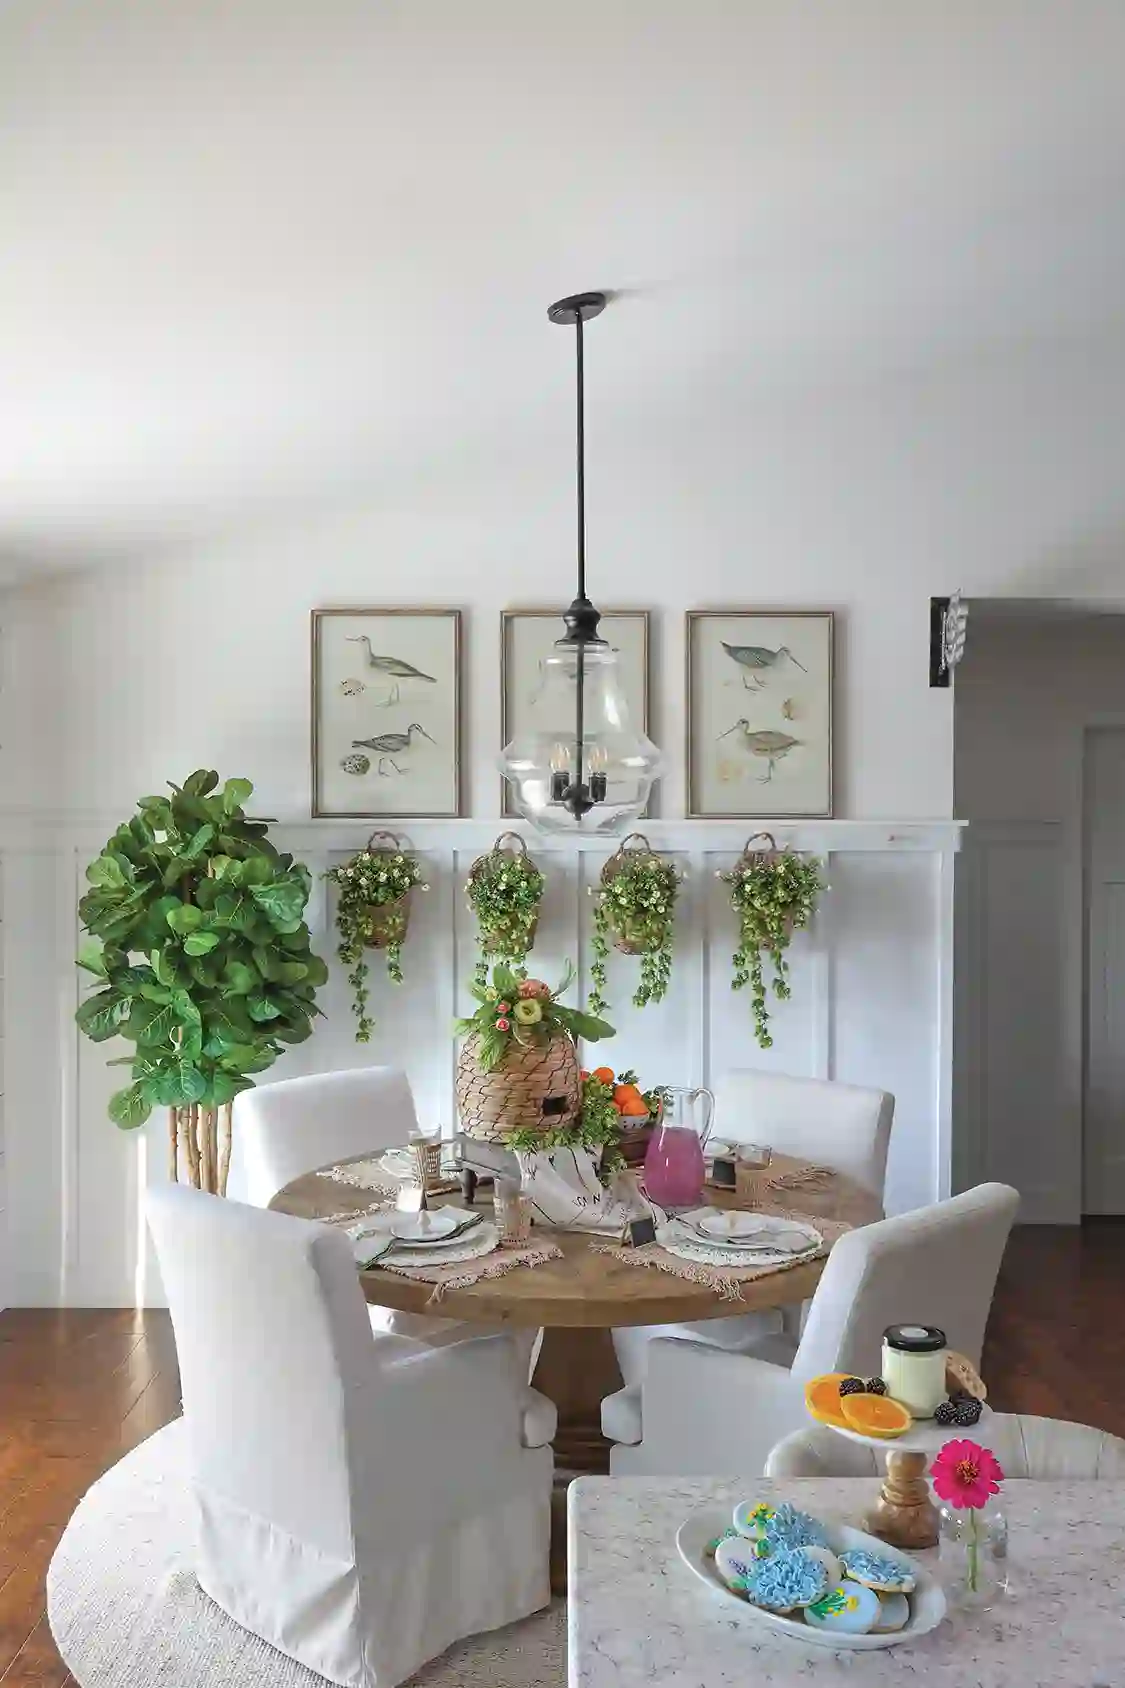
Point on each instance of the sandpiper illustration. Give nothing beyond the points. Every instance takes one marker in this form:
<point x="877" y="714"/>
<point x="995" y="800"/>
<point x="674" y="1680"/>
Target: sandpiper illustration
<point x="390" y="745"/>
<point x="771" y="746"/>
<point x="392" y="666"/>
<point x="757" y="659"/>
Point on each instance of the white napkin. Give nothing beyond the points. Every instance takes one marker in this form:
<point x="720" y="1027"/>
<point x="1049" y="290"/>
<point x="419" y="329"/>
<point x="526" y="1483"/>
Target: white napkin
<point x="565" y="1191"/>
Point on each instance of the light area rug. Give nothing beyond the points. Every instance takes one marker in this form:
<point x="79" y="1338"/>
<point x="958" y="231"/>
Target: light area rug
<point x="126" y="1610"/>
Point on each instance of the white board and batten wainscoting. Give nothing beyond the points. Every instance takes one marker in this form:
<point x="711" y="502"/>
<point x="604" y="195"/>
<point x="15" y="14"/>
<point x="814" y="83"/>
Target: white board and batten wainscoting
<point x="872" y="1004"/>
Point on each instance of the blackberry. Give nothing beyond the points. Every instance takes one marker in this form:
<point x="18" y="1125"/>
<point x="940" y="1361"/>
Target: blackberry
<point x="945" y="1413"/>
<point x="966" y="1413"/>
<point x="853" y="1386"/>
<point x="876" y="1386"/>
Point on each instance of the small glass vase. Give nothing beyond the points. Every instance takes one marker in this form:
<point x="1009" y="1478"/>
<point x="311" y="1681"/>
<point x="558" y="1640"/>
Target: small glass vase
<point x="974" y="1554"/>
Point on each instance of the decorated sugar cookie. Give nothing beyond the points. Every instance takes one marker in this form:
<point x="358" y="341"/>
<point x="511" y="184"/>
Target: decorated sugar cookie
<point x="736" y="1561"/>
<point x="787" y="1580"/>
<point x="827" y="1558"/>
<point x="894" y="1613"/>
<point x="751" y="1518"/>
<point x="781" y="1527"/>
<point x="846" y="1609"/>
<point x="885" y="1576"/>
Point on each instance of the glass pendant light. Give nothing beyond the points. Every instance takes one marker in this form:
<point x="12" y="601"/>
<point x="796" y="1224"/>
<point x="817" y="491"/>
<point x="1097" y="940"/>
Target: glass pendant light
<point x="579" y="764"/>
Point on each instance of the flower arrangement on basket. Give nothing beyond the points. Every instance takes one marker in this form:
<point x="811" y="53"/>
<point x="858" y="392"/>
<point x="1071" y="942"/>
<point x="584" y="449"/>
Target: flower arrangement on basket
<point x="373" y="913"/>
<point x="504" y="890"/>
<point x="517" y="1069"/>
<point x="635" y="913"/>
<point x="774" y="893"/>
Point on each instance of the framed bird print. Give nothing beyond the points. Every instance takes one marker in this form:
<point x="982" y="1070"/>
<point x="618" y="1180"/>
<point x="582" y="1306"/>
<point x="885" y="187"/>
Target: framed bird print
<point x="759" y="713"/>
<point x="386" y="713"/>
<point x="526" y="641"/>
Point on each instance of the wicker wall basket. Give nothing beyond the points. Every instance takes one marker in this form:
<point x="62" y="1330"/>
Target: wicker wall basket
<point x="499" y="940"/>
<point x="386" y="923"/>
<point x="627" y="940"/>
<point x="534" y="1086"/>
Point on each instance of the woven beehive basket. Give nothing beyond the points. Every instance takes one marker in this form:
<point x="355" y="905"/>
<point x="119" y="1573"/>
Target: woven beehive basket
<point x="513" y="1096"/>
<point x="626" y="939"/>
<point x="386" y="923"/>
<point x="497" y="940"/>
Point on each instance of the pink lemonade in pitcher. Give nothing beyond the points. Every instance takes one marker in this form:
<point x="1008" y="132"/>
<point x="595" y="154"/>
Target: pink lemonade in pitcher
<point x="674" y="1168"/>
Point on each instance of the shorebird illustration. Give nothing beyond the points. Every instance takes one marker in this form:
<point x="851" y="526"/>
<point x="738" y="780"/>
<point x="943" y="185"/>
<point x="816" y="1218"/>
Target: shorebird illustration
<point x="392" y="666"/>
<point x="390" y="745"/>
<point x="758" y="658"/>
<point x="771" y="746"/>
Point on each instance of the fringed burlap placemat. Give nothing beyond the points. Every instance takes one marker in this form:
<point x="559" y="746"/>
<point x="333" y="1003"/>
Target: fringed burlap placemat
<point x="726" y="1281"/>
<point x="369" y="1175"/>
<point x="460" y="1274"/>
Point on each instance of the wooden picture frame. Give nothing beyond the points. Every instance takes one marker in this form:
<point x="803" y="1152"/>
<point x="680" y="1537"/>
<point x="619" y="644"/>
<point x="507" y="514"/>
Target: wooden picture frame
<point x="360" y="696"/>
<point x="515" y="677"/>
<point x="762" y="680"/>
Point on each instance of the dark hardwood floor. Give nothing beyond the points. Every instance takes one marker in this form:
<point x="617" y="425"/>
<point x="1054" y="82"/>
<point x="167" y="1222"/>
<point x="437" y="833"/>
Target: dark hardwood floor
<point x="78" y="1389"/>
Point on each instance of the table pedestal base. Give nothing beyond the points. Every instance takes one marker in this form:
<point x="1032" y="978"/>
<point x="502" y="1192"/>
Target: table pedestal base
<point x="575" y="1369"/>
<point x="904" y="1514"/>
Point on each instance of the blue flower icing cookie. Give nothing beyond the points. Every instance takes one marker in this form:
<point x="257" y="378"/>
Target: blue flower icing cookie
<point x="885" y="1576"/>
<point x="787" y="1580"/>
<point x="847" y="1609"/>
<point x="736" y="1561"/>
<point x="778" y="1527"/>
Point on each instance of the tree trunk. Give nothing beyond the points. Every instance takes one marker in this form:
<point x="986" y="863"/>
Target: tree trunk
<point x="174" y="1144"/>
<point x="191" y="1120"/>
<point x="224" y="1157"/>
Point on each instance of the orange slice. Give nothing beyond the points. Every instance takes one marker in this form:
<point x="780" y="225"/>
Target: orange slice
<point x="875" y="1415"/>
<point x="822" y="1398"/>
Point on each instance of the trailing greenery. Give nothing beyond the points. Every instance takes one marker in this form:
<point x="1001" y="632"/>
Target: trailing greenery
<point x="597" y="1129"/>
<point x="197" y="934"/>
<point x="504" y="890"/>
<point x="636" y="903"/>
<point x="524" y="1011"/>
<point x="774" y="894"/>
<point x="368" y="887"/>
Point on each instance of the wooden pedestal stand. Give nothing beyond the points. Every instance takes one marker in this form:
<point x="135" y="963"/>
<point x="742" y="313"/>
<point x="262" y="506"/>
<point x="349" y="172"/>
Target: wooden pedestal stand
<point x="904" y="1515"/>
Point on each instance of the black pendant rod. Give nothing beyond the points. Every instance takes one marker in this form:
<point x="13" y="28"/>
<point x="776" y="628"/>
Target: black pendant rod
<point x="581" y="455"/>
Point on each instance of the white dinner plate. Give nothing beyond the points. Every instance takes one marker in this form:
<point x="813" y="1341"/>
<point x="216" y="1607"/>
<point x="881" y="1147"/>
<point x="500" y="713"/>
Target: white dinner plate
<point x="735" y="1228"/>
<point x="927" y="1602"/>
<point x="430" y="1226"/>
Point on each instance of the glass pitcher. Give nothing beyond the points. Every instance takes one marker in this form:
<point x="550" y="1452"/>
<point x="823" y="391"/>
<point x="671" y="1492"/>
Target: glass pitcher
<point x="674" y="1169"/>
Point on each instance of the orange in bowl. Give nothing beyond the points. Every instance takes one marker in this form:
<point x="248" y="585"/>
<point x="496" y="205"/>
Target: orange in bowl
<point x="822" y="1398"/>
<point x="875" y="1415"/>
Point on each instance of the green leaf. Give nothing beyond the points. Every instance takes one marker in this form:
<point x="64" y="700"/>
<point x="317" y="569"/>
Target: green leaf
<point x="107" y="873"/>
<point x="249" y="1058"/>
<point x="283" y="902"/>
<point x="201" y="782"/>
<point x="224" y="1087"/>
<point x="292" y="1031"/>
<point x="291" y="972"/>
<point x="91" y="956"/>
<point x="100" y="1016"/>
<point x="261" y="1007"/>
<point x="316" y="971"/>
<point x="198" y="843"/>
<point x="239" y="979"/>
<point x="233" y="910"/>
<point x="236" y="793"/>
<point x="587" y="1026"/>
<point x="164" y="967"/>
<point x="180" y="1082"/>
<point x="200" y="943"/>
<point x="128" y="1108"/>
<point x="151" y="1023"/>
<point x="184" y="918"/>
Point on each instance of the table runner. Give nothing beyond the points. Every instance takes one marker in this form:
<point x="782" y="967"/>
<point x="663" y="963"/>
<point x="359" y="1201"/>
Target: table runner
<point x="726" y="1281"/>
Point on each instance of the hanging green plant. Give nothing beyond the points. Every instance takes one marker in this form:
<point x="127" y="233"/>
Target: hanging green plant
<point x="373" y="913"/>
<point x="504" y="890"/>
<point x="634" y="912"/>
<point x="774" y="893"/>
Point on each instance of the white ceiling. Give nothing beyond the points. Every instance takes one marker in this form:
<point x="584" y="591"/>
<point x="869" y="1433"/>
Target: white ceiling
<point x="257" y="251"/>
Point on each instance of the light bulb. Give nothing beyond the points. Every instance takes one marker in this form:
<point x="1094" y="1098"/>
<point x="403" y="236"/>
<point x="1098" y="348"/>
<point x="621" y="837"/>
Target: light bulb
<point x="560" y="759"/>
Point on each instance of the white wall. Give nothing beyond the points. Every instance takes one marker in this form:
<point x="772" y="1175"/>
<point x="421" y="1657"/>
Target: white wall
<point x="1025" y="696"/>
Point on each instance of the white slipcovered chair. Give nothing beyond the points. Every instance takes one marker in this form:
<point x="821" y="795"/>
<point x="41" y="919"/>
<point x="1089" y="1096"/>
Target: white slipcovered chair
<point x="701" y="1411"/>
<point x="1048" y="1450"/>
<point x="843" y="1126"/>
<point x="295" y="1125"/>
<point x="363" y="1501"/>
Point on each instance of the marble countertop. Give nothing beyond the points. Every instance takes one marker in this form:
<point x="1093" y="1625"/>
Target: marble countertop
<point x="639" y="1619"/>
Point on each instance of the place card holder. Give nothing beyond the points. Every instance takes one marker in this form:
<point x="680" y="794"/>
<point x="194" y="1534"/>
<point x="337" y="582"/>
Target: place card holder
<point x="639" y="1231"/>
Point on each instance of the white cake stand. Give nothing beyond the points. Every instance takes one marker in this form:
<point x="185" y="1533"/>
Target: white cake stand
<point x="904" y="1515"/>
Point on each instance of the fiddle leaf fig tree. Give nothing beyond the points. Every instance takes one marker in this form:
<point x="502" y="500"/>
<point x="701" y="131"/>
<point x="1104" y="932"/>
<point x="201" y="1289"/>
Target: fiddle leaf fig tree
<point x="197" y="936"/>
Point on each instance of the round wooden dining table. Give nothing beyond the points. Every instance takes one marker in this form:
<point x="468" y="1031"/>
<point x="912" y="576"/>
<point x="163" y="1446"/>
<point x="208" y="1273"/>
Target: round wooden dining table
<point x="579" y="1299"/>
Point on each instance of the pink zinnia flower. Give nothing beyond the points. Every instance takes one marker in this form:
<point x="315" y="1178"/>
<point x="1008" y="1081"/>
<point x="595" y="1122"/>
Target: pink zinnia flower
<point x="503" y="1025"/>
<point x="966" y="1475"/>
<point x="503" y="1008"/>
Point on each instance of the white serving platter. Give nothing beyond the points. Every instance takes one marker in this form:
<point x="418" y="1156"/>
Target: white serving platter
<point x="927" y="1602"/>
